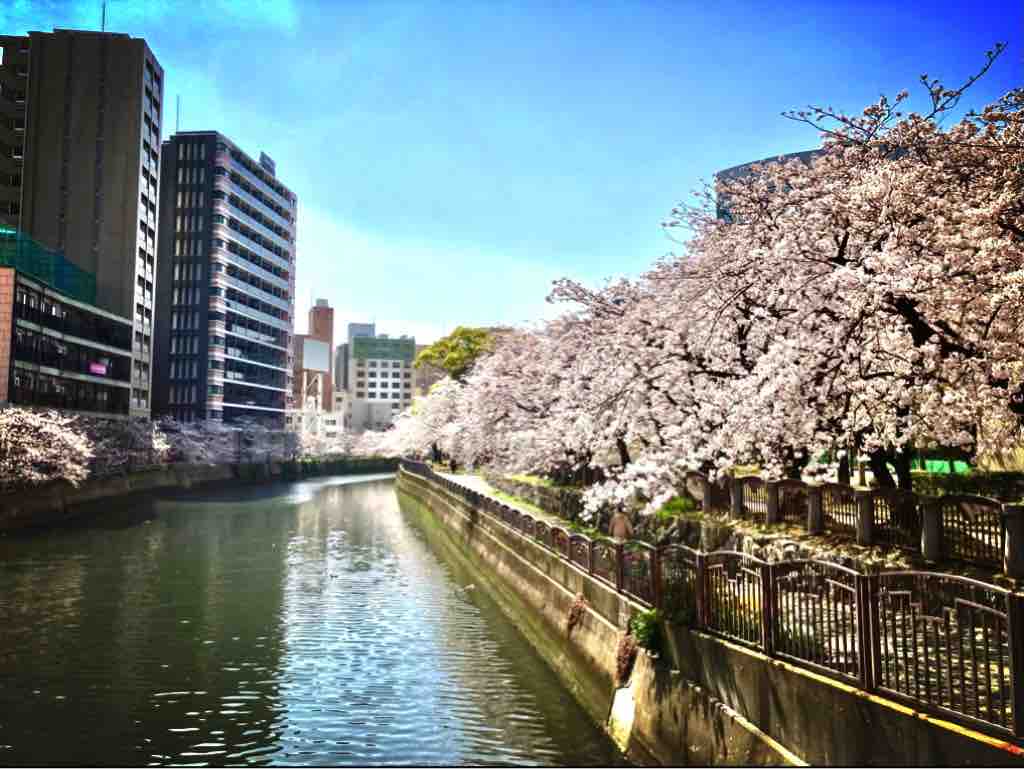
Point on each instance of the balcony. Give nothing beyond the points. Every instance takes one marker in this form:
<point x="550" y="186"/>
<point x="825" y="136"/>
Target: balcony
<point x="257" y="248"/>
<point x="228" y="208"/>
<point x="228" y="234"/>
<point x="244" y="264"/>
<point x="252" y="405"/>
<point x="265" y="296"/>
<point x="254" y="360"/>
<point x="235" y="378"/>
<point x="224" y="182"/>
<point x="256" y="336"/>
<point x="262" y="317"/>
<point x="253" y="179"/>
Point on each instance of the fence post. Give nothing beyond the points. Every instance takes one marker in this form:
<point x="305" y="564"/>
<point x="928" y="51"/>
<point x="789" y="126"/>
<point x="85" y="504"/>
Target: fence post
<point x="590" y="556"/>
<point x="700" y="591"/>
<point x="1013" y="541"/>
<point x="1015" y="637"/>
<point x="772" y="511"/>
<point x="815" y="520"/>
<point x="656" y="576"/>
<point x="868" y="631"/>
<point x="620" y="552"/>
<point x="736" y="498"/>
<point x="931" y="530"/>
<point x="768" y="608"/>
<point x="865" y="516"/>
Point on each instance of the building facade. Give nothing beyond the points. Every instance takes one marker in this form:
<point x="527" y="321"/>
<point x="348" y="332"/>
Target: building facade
<point x="344" y="351"/>
<point x="57" y="349"/>
<point x="380" y="381"/>
<point x="225" y="318"/>
<point x="321" y="330"/>
<point x="80" y="117"/>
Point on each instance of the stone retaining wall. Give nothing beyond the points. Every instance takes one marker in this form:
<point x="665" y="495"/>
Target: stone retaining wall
<point x="705" y="700"/>
<point x="53" y="503"/>
<point x="672" y="723"/>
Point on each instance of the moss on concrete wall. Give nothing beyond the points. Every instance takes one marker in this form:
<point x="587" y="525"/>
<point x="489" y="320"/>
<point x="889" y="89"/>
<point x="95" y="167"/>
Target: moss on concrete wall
<point x="538" y="588"/>
<point x="705" y="700"/>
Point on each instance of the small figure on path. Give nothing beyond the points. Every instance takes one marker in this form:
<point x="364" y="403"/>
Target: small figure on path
<point x="620" y="527"/>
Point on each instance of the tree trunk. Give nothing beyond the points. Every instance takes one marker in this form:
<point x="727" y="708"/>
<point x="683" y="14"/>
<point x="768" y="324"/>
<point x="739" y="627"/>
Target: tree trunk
<point x="794" y="467"/>
<point x="844" y="469"/>
<point x="877" y="460"/>
<point x="623" y="451"/>
<point x="901" y="462"/>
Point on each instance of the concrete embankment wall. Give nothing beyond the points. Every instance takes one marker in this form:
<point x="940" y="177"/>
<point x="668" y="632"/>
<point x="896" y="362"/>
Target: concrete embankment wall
<point x="54" y="503"/>
<point x="672" y="722"/>
<point x="704" y="700"/>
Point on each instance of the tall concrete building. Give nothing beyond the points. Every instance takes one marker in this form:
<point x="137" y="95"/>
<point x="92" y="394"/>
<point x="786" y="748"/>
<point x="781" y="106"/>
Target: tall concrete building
<point x="225" y="314"/>
<point x="80" y="117"/>
<point x="312" y="358"/>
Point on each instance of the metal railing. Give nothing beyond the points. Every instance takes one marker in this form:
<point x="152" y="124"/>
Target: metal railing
<point x="945" y="644"/>
<point x="966" y="528"/>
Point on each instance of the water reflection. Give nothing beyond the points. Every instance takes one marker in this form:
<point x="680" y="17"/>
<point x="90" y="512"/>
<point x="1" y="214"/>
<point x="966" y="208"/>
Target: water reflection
<point x="303" y="623"/>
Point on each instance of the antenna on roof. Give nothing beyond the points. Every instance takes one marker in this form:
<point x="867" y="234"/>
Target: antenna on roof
<point x="103" y="17"/>
<point x="177" y="114"/>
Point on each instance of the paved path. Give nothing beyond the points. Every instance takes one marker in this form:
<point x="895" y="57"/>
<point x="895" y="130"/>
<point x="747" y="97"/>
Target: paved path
<point x="479" y="485"/>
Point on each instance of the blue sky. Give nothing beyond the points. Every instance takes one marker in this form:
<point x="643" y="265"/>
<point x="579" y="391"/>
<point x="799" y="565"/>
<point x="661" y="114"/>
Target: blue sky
<point x="452" y="158"/>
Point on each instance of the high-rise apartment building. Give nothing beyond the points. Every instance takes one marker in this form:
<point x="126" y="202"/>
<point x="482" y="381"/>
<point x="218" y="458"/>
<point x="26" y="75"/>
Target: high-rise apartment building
<point x="225" y="315"/>
<point x="80" y="116"/>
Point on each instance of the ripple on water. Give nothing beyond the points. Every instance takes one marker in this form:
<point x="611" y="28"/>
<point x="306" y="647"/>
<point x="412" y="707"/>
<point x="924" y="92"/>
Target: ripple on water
<point x="311" y="627"/>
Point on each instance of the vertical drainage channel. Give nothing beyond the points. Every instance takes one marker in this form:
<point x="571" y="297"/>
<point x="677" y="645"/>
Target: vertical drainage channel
<point x="620" y="719"/>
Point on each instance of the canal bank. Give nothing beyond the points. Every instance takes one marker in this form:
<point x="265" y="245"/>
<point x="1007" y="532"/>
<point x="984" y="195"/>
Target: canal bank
<point x="655" y="718"/>
<point x="54" y="503"/>
<point x="706" y="699"/>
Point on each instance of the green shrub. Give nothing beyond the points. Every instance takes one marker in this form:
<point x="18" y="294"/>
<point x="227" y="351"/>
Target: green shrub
<point x="675" y="507"/>
<point x="644" y="627"/>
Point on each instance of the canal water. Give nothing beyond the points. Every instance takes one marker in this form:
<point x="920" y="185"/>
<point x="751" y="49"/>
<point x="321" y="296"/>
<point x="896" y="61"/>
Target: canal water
<point x="292" y="623"/>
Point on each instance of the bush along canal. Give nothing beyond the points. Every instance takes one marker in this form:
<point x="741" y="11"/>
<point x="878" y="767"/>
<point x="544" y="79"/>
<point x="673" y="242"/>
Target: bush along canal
<point x="307" y="622"/>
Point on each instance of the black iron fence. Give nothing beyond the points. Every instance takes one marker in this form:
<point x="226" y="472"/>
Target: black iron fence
<point x="962" y="527"/>
<point x="945" y="644"/>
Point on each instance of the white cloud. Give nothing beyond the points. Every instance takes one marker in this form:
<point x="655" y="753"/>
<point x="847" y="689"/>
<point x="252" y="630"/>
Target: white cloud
<point x="421" y="288"/>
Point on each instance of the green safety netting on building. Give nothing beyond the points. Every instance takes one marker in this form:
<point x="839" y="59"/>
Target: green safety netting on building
<point x="51" y="267"/>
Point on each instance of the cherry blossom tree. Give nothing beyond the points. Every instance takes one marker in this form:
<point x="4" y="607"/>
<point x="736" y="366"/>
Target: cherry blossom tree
<point x="40" y="446"/>
<point x="868" y="298"/>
